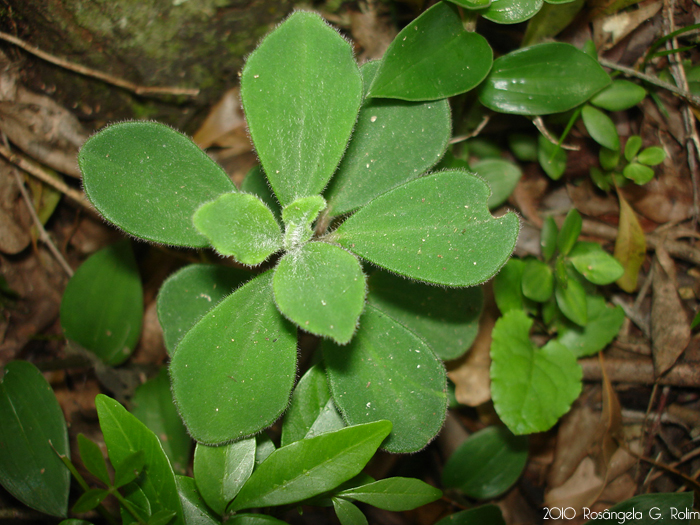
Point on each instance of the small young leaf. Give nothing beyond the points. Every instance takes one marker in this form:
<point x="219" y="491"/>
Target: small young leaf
<point x="432" y="58"/>
<point x="255" y="183"/>
<point x="507" y="286"/>
<point x="102" y="307"/>
<point x="148" y="179"/>
<point x="263" y="448"/>
<point x="502" y="176"/>
<point x="603" y="325"/>
<point x="395" y="494"/>
<point x="433" y="229"/>
<point x="538" y="281"/>
<point x="446" y="318"/>
<point x="301" y="112"/>
<point x="321" y="288"/>
<point x="191" y="292"/>
<point x="523" y="146"/>
<point x="348" y="514"/>
<point x="652" y="156"/>
<point x="298" y="218"/>
<point x="619" y="96"/>
<point x="254" y="519"/>
<point x="162" y="517"/>
<point x="220" y="472"/>
<point x="487" y="463"/>
<point x="630" y="246"/>
<point x="511" y="11"/>
<point x="569" y="232"/>
<point x="595" y="264"/>
<point x="89" y="500"/>
<point x="639" y="173"/>
<point x="571" y="300"/>
<point x="139" y="503"/>
<point x="233" y="371"/>
<point x="387" y="372"/>
<point x="328" y="420"/>
<point x="531" y="402"/>
<point x="632" y="147"/>
<point x="92" y="458"/>
<point x="542" y="79"/>
<point x="548" y="238"/>
<point x="194" y="507"/>
<point x="239" y="225"/>
<point x="600" y="179"/>
<point x="32" y="431"/>
<point x="600" y="127"/>
<point x="129" y="469"/>
<point x="552" y="158"/>
<point x="310" y="467"/>
<point x="308" y="400"/>
<point x="609" y="158"/>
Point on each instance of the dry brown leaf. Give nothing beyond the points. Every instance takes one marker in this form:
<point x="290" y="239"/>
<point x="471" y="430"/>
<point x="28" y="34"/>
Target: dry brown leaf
<point x="579" y="491"/>
<point x="610" y="30"/>
<point x="589" y="202"/>
<point x="611" y="432"/>
<point x="372" y="30"/>
<point x="14" y="217"/>
<point x="670" y="328"/>
<point x="225" y="125"/>
<point x="577" y="431"/>
<point x="630" y="246"/>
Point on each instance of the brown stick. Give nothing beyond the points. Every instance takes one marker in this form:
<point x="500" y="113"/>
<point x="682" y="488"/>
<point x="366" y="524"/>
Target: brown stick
<point x="640" y="371"/>
<point x="88" y="72"/>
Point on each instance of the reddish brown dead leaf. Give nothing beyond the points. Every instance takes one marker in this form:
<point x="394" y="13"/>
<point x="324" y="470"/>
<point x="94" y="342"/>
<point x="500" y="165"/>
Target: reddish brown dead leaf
<point x="611" y="432"/>
<point x="373" y="30"/>
<point x="590" y="202"/>
<point x="579" y="491"/>
<point x="14" y="217"/>
<point x="610" y="30"/>
<point x="528" y="193"/>
<point x="225" y="125"/>
<point x="630" y="246"/>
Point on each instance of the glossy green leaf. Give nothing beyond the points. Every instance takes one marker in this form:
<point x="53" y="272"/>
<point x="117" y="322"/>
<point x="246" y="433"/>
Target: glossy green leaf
<point x="600" y="127"/>
<point x="619" y="96"/>
<point x="533" y="401"/>
<point x="387" y="372"/>
<point x="162" y="517"/>
<point x="446" y="318"/>
<point x="552" y="19"/>
<point x="433" y="58"/>
<point x="632" y="147"/>
<point x="394" y="141"/>
<point x="548" y="238"/>
<point x="507" y="286"/>
<point x="650" y="509"/>
<point x="194" y="508"/>
<point x="523" y="146"/>
<point x="348" y="514"/>
<point x="571" y="300"/>
<point x="89" y="500"/>
<point x="601" y="179"/>
<point x="148" y="179"/>
<point x="255" y="182"/>
<point x="487" y="464"/>
<point x="125" y="435"/>
<point x="569" y="232"/>
<point x="538" y="281"/>
<point x="433" y="229"/>
<point x="310" y="467"/>
<point x="609" y="158"/>
<point x="542" y="79"/>
<point x="263" y="448"/>
<point x="602" y="327"/>
<point x="595" y="264"/>
<point x="32" y="427"/>
<point x="484" y="515"/>
<point x="129" y="469"/>
<point x="191" y="292"/>
<point x="239" y="225"/>
<point x="301" y="91"/>
<point x="220" y="472"/>
<point x="139" y="503"/>
<point x="395" y="494"/>
<point x="254" y="519"/>
<point x="511" y="11"/>
<point x="328" y="420"/>
<point x="321" y="288"/>
<point x="551" y="157"/>
<point x="652" y="156"/>
<point x="639" y="173"/>
<point x="102" y="307"/>
<point x="153" y="405"/>
<point x="234" y="370"/>
<point x="308" y="400"/>
<point x="92" y="458"/>
<point x="298" y="218"/>
<point x="502" y="175"/>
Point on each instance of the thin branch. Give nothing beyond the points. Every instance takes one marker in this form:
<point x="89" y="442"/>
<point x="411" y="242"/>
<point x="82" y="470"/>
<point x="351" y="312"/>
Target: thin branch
<point x="640" y="371"/>
<point x="539" y="124"/>
<point x="88" y="72"/>
<point x="479" y="128"/>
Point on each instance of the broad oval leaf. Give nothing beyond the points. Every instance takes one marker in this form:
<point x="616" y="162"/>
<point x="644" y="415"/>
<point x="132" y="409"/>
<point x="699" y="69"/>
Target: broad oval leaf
<point x="446" y="318"/>
<point x="222" y="378"/>
<point x="603" y="325"/>
<point x="194" y="508"/>
<point x="433" y="58"/>
<point x="239" y="225"/>
<point x="652" y="156"/>
<point x="487" y="463"/>
<point x="308" y="400"/>
<point x="538" y="281"/>
<point x="436" y="229"/>
<point x="148" y="179"/>
<point x="32" y="423"/>
<point x="484" y="515"/>
<point x="191" y="292"/>
<point x="639" y="173"/>
<point x="387" y="372"/>
<point x="220" y="472"/>
<point x="595" y="264"/>
<point x="124" y="435"/>
<point x="102" y="307"/>
<point x="511" y="11"/>
<point x="321" y="288"/>
<point x="301" y="111"/>
<point x="620" y="95"/>
<point x="310" y="467"/>
<point x="502" y="176"/>
<point x="395" y="494"/>
<point x="393" y="141"/>
<point x="632" y="147"/>
<point x="600" y="127"/>
<point x="571" y="300"/>
<point x="542" y="79"/>
<point x="348" y="514"/>
<point x="531" y="387"/>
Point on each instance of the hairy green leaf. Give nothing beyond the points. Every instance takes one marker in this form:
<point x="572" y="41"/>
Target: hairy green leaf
<point x="255" y="182"/>
<point x="619" y="96"/>
<point x="395" y="494"/>
<point x="603" y="325"/>
<point x="298" y="218"/>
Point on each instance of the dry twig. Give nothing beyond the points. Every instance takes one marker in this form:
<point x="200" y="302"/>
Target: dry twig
<point x="539" y="124"/>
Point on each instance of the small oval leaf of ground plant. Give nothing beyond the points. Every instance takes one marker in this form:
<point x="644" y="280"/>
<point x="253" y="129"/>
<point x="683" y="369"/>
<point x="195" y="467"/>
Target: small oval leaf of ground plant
<point x="321" y="288"/>
<point x="538" y="281"/>
<point x="542" y="79"/>
<point x="603" y="324"/>
<point x="387" y="372"/>
<point x="148" y="179"/>
<point x="484" y="515"/>
<point x="595" y="264"/>
<point x="191" y="292"/>
<point x="551" y="157"/>
<point x="571" y="300"/>
<point x="301" y="91"/>
<point x="102" y="307"/>
<point x="569" y="232"/>
<point x="432" y="58"/>
<point x="639" y="173"/>
<point x="393" y="141"/>
<point x="194" y="508"/>
<point x="548" y="238"/>
<point x="632" y="147"/>
<point x="630" y="246"/>
<point x="446" y="318"/>
<point x="233" y="371"/>
<point x="221" y="471"/>
<point x="652" y="156"/>
<point x="239" y="225"/>
<point x="124" y="435"/>
<point x="600" y="127"/>
<point x="619" y="96"/>
<point x="511" y="11"/>
<point x="310" y="467"/>
<point x="502" y="176"/>
<point x="534" y="400"/>
<point x="395" y="494"/>
<point x="487" y="463"/>
<point x="348" y="514"/>
<point x="308" y="400"/>
<point x="508" y="286"/>
<point x="92" y="458"/>
<point x="328" y="420"/>
<point x="254" y="519"/>
<point x="89" y="500"/>
<point x="436" y="229"/>
<point x="648" y="509"/>
<point x="153" y="405"/>
<point x="33" y="430"/>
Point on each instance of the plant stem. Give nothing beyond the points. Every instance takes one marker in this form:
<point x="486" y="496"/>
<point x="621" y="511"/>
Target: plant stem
<point x="128" y="506"/>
